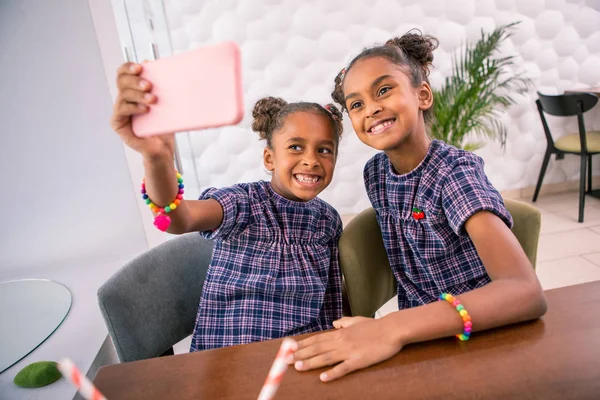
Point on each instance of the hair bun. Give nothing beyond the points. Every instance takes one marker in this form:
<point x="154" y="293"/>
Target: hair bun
<point x="265" y="114"/>
<point x="417" y="46"/>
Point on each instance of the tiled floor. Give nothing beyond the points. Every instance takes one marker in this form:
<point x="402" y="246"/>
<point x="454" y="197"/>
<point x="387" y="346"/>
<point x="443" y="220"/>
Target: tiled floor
<point x="568" y="252"/>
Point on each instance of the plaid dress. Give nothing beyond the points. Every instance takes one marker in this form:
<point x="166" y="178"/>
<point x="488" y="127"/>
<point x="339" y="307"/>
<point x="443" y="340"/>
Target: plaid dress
<point x="274" y="270"/>
<point x="432" y="253"/>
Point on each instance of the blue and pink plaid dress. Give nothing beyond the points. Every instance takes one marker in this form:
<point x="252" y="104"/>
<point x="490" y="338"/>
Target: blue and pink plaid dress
<point x="274" y="270"/>
<point x="434" y="254"/>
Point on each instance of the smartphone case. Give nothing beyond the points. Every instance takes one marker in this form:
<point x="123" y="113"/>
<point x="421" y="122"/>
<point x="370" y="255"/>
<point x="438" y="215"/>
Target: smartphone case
<point x="195" y="90"/>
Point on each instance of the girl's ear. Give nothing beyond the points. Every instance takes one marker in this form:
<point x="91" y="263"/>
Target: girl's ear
<point x="425" y="96"/>
<point x="268" y="159"/>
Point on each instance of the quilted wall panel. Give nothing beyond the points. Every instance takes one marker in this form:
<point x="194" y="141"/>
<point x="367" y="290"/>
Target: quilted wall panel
<point x="294" y="49"/>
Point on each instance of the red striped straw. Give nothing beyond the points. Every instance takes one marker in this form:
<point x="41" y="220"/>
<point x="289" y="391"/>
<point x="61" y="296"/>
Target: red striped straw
<point x="277" y="370"/>
<point x="83" y="384"/>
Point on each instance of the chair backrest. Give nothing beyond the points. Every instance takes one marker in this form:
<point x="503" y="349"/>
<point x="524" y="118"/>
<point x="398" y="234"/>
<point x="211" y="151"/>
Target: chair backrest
<point x="368" y="278"/>
<point x="565" y="105"/>
<point x="151" y="303"/>
<point x="527" y="223"/>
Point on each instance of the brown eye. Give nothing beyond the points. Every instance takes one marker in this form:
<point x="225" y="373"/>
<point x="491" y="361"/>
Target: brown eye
<point x="383" y="91"/>
<point x="354" y="105"/>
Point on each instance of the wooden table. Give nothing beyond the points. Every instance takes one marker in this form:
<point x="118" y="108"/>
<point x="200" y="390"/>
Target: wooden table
<point x="557" y="357"/>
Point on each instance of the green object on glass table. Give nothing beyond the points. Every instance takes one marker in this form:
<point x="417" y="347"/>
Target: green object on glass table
<point x="38" y="374"/>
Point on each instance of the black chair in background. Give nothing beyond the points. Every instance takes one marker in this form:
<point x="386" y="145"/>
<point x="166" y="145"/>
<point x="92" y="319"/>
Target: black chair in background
<point x="584" y="144"/>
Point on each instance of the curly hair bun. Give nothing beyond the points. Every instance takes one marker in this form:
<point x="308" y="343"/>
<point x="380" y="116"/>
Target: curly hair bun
<point x="417" y="46"/>
<point x="265" y="114"/>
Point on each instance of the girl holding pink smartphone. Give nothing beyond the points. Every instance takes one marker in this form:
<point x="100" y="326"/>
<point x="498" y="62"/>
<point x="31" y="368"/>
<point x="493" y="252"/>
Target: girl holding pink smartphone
<point x="274" y="270"/>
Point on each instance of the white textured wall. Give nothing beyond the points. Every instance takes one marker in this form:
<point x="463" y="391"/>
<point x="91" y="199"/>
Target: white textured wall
<point x="294" y="49"/>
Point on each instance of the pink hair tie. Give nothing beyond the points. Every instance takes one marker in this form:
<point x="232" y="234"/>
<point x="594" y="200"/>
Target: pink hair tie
<point x="328" y="107"/>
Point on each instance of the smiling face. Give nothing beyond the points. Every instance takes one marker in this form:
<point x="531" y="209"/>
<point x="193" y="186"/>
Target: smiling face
<point x="302" y="156"/>
<point x="384" y="107"/>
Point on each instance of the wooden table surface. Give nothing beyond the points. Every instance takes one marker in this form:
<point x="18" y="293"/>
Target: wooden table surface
<point x="556" y="357"/>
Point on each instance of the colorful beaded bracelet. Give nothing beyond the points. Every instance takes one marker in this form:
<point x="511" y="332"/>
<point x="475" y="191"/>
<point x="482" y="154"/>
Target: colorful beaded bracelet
<point x="162" y="220"/>
<point x="463" y="314"/>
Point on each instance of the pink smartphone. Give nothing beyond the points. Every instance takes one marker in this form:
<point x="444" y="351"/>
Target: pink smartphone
<point x="198" y="89"/>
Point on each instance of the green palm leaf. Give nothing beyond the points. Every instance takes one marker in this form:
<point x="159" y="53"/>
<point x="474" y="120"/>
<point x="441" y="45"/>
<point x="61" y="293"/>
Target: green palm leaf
<point x="471" y="100"/>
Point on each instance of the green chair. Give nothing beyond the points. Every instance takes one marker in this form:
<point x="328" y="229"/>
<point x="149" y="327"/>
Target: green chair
<point x="368" y="278"/>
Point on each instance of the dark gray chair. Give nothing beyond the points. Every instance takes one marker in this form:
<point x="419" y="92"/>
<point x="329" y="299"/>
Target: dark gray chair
<point x="150" y="304"/>
<point x="583" y="143"/>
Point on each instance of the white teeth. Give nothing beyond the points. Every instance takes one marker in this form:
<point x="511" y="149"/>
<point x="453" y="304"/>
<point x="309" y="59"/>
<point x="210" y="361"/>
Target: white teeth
<point x="381" y="126"/>
<point x="306" y="178"/>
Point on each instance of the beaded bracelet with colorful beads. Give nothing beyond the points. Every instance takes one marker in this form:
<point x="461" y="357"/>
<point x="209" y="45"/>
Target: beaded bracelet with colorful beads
<point x="162" y="220"/>
<point x="463" y="314"/>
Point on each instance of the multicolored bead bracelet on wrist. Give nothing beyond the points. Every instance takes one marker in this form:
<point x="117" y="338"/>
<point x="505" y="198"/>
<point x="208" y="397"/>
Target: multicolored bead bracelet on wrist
<point x="463" y="314"/>
<point x="162" y="220"/>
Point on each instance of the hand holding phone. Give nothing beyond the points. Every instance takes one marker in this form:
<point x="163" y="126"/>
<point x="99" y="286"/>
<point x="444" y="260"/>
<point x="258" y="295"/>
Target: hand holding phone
<point x="135" y="97"/>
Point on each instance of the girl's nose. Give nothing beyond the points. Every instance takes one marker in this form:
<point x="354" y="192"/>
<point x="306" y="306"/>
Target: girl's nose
<point x="373" y="109"/>
<point x="310" y="160"/>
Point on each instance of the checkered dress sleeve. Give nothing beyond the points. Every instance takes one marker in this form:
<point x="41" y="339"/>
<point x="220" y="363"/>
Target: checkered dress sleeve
<point x="467" y="191"/>
<point x="372" y="178"/>
<point x="332" y="301"/>
<point x="236" y="211"/>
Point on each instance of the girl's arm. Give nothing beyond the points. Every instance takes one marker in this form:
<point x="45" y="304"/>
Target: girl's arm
<point x="162" y="188"/>
<point x="136" y="97"/>
<point x="514" y="295"/>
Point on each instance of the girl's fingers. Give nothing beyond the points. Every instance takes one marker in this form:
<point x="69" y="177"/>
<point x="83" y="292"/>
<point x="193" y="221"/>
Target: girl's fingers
<point x="338" y="371"/>
<point x="135" y="96"/>
<point x="316" y="345"/>
<point x="128" y="78"/>
<point x="129" y="109"/>
<point x="342" y="322"/>
<point x="349" y="321"/>
<point x="130" y="68"/>
<point x="125" y="82"/>
<point x="321" y="360"/>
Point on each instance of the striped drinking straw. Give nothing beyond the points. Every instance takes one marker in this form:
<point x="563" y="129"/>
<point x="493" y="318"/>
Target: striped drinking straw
<point x="277" y="370"/>
<point x="83" y="384"/>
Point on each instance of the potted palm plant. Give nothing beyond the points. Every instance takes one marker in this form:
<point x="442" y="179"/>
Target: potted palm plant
<point x="480" y="88"/>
